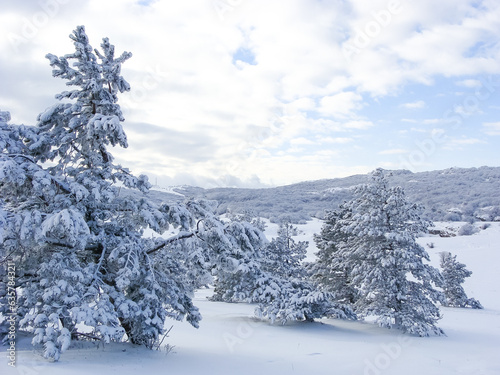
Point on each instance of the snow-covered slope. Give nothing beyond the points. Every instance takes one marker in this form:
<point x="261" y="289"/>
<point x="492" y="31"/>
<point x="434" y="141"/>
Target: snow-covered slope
<point x="231" y="341"/>
<point x="450" y="194"/>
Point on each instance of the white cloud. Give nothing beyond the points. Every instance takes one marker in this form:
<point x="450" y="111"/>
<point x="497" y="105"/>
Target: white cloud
<point x="491" y="128"/>
<point x="414" y="105"/>
<point x="454" y="144"/>
<point x="468" y="141"/>
<point x="302" y="141"/>
<point x="336" y="140"/>
<point x="358" y="124"/>
<point x="301" y="104"/>
<point x="394" y="151"/>
<point x="469" y="108"/>
<point x="470" y="83"/>
<point x="433" y="121"/>
<point x="340" y="105"/>
<point x="418" y="130"/>
<point x="437" y="132"/>
<point x="212" y="114"/>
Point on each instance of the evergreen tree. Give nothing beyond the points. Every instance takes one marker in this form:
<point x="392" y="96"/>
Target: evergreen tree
<point x="283" y="256"/>
<point x="285" y="300"/>
<point x="247" y="270"/>
<point x="284" y="293"/>
<point x="454" y="274"/>
<point x="76" y="240"/>
<point x="381" y="253"/>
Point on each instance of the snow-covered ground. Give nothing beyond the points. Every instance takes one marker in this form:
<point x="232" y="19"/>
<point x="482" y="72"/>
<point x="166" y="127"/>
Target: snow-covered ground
<point x="231" y="341"/>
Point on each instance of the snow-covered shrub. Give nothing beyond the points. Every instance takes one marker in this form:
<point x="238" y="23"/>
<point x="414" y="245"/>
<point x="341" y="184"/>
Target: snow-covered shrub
<point x="452" y="216"/>
<point x="467" y="230"/>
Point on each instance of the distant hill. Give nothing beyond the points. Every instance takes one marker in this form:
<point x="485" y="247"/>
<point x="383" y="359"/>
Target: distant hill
<point x="455" y="194"/>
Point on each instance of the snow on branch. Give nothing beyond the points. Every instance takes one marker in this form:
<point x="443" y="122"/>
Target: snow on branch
<point x="182" y="235"/>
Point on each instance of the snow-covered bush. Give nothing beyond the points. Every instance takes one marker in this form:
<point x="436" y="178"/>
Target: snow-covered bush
<point x="467" y="230"/>
<point x="452" y="216"/>
<point x="485" y="226"/>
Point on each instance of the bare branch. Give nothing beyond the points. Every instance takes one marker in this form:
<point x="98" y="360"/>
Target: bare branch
<point x="92" y="337"/>
<point x="178" y="237"/>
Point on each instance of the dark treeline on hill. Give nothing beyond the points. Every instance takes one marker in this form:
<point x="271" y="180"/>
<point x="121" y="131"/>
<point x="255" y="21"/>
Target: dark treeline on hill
<point x="455" y="194"/>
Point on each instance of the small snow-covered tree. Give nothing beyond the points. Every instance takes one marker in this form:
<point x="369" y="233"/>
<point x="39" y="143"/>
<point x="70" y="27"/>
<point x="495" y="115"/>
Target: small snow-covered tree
<point x="283" y="256"/>
<point x="386" y="265"/>
<point x="246" y="271"/>
<point x="285" y="300"/>
<point x="454" y="274"/>
<point x="283" y="290"/>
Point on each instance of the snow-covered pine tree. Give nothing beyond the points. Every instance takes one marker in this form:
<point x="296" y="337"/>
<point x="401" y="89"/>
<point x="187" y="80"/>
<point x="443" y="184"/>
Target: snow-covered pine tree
<point x="75" y="238"/>
<point x="282" y="300"/>
<point x="385" y="262"/>
<point x="454" y="274"/>
<point x="325" y="271"/>
<point x="283" y="256"/>
<point x="27" y="193"/>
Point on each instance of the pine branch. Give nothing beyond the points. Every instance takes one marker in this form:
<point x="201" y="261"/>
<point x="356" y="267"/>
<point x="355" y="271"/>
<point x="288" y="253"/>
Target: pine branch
<point x="177" y="237"/>
<point x="54" y="181"/>
<point x="7" y="258"/>
<point x="22" y="156"/>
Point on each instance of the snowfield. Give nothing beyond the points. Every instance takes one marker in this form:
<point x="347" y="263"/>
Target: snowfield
<point x="231" y="340"/>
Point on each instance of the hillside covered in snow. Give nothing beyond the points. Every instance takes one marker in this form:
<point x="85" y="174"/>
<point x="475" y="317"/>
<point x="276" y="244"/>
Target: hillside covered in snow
<point x="456" y="194"/>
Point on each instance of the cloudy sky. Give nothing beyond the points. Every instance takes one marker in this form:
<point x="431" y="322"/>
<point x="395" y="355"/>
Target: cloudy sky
<point x="271" y="92"/>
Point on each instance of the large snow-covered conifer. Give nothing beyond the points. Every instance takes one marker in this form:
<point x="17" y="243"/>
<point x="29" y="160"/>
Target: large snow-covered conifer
<point x="386" y="266"/>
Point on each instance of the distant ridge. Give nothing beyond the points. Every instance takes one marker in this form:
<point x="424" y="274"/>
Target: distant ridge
<point x="454" y="194"/>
